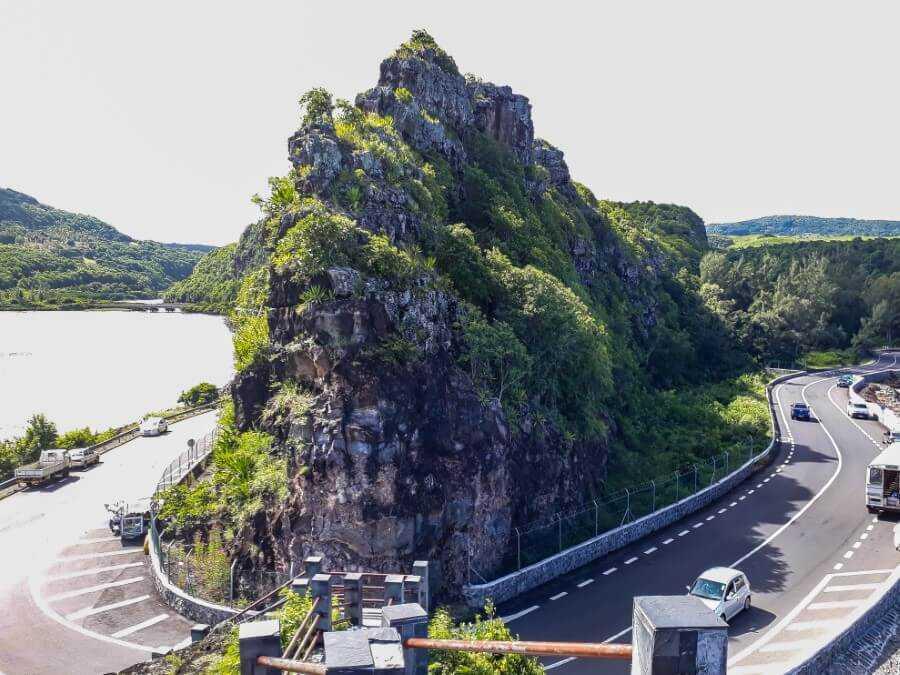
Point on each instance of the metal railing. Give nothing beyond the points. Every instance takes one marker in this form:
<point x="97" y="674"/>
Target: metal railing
<point x="541" y="539"/>
<point x="186" y="462"/>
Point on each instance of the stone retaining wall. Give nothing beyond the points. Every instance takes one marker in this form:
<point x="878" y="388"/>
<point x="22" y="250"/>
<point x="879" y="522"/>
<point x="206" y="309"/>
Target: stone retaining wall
<point x="530" y="577"/>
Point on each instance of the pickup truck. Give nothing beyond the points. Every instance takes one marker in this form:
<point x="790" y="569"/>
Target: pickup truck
<point x="83" y="457"/>
<point x="52" y="465"/>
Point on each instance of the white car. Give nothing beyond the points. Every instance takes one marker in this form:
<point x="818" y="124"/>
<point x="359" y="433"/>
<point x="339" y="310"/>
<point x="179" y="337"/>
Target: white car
<point x="153" y="426"/>
<point x="83" y="457"/>
<point x="724" y="590"/>
<point x="857" y="409"/>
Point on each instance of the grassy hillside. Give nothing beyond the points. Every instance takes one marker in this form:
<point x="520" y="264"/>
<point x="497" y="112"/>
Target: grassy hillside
<point x="53" y="258"/>
<point x="755" y="240"/>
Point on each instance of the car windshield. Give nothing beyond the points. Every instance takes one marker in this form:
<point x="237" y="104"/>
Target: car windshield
<point x="800" y="406"/>
<point x="711" y="590"/>
<point x="860" y="406"/>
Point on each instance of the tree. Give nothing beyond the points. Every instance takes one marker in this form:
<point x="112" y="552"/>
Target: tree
<point x="40" y="434"/>
<point x="317" y="107"/>
<point x="199" y="394"/>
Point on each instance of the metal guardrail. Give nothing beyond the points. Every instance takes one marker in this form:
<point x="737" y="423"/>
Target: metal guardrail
<point x="186" y="462"/>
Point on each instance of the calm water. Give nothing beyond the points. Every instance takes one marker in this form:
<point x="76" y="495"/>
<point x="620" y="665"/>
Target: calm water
<point x="104" y="369"/>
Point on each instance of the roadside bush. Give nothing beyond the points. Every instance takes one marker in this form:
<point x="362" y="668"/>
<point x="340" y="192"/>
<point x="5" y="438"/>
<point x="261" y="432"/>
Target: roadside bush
<point x="199" y="394"/>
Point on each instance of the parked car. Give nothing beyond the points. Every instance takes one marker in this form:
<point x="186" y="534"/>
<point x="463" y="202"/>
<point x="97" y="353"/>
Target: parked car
<point x="81" y="458"/>
<point x="724" y="590"/>
<point x="153" y="426"/>
<point x="859" y="409"/>
<point x="891" y="437"/>
<point x="800" y="411"/>
<point x="844" y="381"/>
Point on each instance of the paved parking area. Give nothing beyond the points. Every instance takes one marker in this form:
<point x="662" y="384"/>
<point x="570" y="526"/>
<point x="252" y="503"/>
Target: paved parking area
<point x="104" y="587"/>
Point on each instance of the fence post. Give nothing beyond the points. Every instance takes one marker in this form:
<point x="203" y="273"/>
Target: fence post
<point x="320" y="587"/>
<point x="259" y="638"/>
<point x="394" y="589"/>
<point x="312" y="565"/>
<point x="422" y="569"/>
<point x="231" y="581"/>
<point x="353" y="597"/>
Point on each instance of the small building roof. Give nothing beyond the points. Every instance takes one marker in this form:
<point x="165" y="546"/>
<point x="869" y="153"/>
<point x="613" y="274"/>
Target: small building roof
<point x="889" y="456"/>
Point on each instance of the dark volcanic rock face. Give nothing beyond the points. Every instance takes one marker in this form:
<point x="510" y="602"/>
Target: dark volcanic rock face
<point x="396" y="453"/>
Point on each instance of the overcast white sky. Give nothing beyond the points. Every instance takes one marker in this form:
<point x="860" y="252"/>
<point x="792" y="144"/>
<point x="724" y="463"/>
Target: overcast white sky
<point x="163" y="118"/>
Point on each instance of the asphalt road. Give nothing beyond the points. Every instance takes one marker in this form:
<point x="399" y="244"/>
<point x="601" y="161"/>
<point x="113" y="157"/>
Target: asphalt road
<point x="72" y="599"/>
<point x="799" y="529"/>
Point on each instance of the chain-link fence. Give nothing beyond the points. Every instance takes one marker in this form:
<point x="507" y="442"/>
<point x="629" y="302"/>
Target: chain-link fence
<point x="537" y="541"/>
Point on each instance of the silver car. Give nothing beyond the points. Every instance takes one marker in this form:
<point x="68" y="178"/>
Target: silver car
<point x="724" y="590"/>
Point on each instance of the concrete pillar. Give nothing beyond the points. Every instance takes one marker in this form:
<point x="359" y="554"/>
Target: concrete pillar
<point x="410" y="620"/>
<point x="259" y="638"/>
<point x="677" y="635"/>
<point x="393" y="589"/>
<point x="411" y="582"/>
<point x="199" y="631"/>
<point x="422" y="569"/>
<point x="353" y="595"/>
<point x="300" y="586"/>
<point x="320" y="587"/>
<point x="312" y="566"/>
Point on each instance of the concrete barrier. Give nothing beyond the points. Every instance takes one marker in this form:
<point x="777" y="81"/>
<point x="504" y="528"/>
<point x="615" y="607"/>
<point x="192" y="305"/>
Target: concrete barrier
<point x="527" y="578"/>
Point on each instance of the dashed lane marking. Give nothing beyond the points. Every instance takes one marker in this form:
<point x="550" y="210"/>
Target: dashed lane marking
<point x="631" y="560"/>
<point x="838" y="566"/>
<point x="742" y="498"/>
<point x="721" y="511"/>
<point x="683" y="533"/>
<point x="584" y="583"/>
<point x="559" y="595"/>
<point x="125" y="632"/>
<point x="848" y="555"/>
<point x="696" y="525"/>
<point x="710" y="518"/>
<point x="650" y="550"/>
<point x="94" y="589"/>
<point x="668" y="541"/>
<point x="90" y="611"/>
<point x="610" y="571"/>
<point x="733" y="504"/>
<point x="557" y="664"/>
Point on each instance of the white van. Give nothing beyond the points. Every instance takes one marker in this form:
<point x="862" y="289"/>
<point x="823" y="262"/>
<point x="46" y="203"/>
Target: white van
<point x="883" y="481"/>
<point x="859" y="409"/>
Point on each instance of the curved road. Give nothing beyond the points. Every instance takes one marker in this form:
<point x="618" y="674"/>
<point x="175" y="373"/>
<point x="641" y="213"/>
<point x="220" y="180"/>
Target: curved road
<point x="72" y="599"/>
<point x="799" y="529"/>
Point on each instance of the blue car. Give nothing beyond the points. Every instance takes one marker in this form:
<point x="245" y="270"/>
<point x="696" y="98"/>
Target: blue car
<point x="800" y="411"/>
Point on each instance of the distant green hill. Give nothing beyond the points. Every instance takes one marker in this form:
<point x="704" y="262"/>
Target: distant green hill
<point x="54" y="258"/>
<point x="807" y="225"/>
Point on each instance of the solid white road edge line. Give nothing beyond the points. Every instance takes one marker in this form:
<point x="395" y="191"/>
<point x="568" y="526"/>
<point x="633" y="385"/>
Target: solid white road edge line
<point x="519" y="615"/>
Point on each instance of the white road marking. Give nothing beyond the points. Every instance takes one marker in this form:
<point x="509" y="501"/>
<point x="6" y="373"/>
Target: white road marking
<point x="864" y="536"/>
<point x="852" y="587"/>
<point x="584" y="583"/>
<point x="750" y="492"/>
<point x="767" y="480"/>
<point x="103" y="554"/>
<point x="857" y="544"/>
<point x="870" y="528"/>
<point x="90" y="611"/>
<point x="742" y="498"/>
<point x="610" y="571"/>
<point x="838" y="566"/>
<point x="650" y="550"/>
<point x="94" y="589"/>
<point x="848" y="555"/>
<point x="559" y="595"/>
<point x="733" y="504"/>
<point x="758" y="485"/>
<point x="519" y="615"/>
<point x="557" y="664"/>
<point x="125" y="632"/>
<point x="810" y="625"/>
<point x="710" y="518"/>
<point x="668" y="541"/>
<point x="696" y="525"/>
<point x="93" y="570"/>
<point x="834" y="604"/>
<point x="790" y="646"/>
<point x="721" y="511"/>
<point x="96" y="540"/>
<point x="631" y="560"/>
<point x="684" y="532"/>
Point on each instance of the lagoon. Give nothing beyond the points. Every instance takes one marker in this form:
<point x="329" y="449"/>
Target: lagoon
<point x="104" y="368"/>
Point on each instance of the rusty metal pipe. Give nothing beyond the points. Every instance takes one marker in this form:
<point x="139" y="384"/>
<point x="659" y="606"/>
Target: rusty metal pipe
<point x="290" y="666"/>
<point x="578" y="649"/>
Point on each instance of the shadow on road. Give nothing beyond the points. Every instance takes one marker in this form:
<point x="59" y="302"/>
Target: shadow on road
<point x="753" y="620"/>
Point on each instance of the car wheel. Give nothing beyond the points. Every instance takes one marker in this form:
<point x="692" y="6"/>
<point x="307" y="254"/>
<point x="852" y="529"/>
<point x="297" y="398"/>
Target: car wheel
<point x="747" y="603"/>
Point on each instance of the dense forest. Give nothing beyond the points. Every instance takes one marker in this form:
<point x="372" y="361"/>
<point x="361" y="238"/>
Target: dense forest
<point x="782" y="301"/>
<point x="807" y="225"/>
<point x="53" y="258"/>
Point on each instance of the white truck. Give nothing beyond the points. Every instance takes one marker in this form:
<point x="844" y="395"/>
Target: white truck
<point x="883" y="481"/>
<point x="52" y="465"/>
